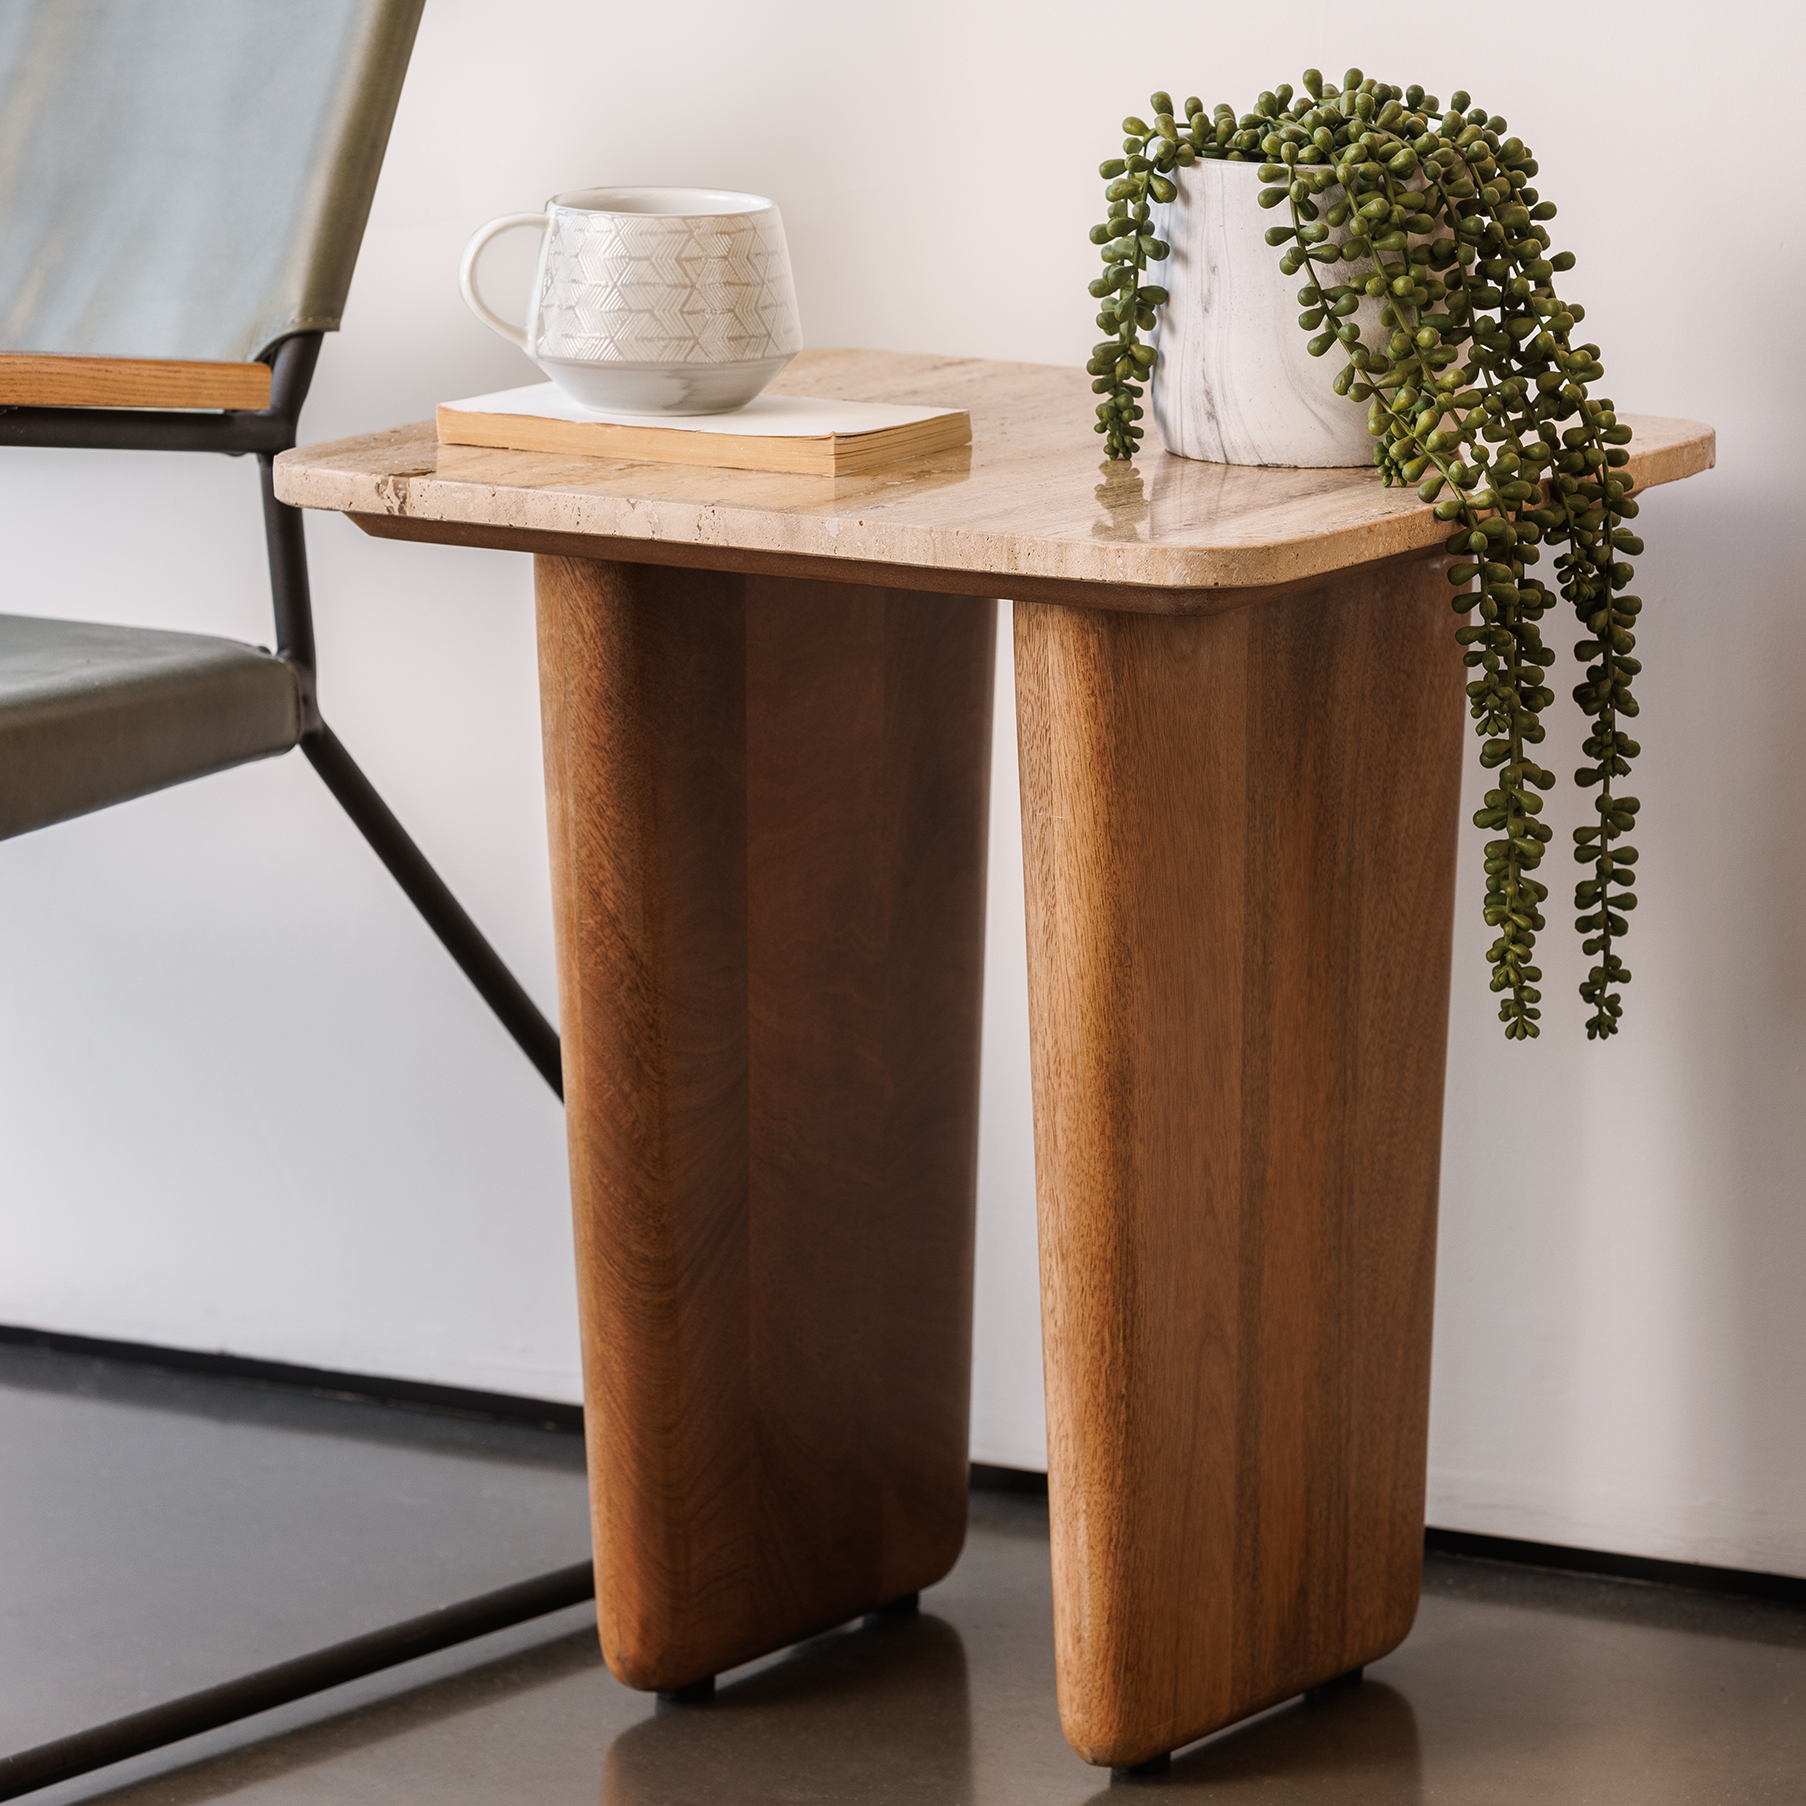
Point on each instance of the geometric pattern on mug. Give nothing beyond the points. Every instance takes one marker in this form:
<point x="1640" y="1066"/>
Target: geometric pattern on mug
<point x="659" y="288"/>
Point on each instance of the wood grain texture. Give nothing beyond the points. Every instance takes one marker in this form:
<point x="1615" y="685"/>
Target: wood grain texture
<point x="1029" y="503"/>
<point x="767" y="810"/>
<point x="30" y="379"/>
<point x="1240" y="876"/>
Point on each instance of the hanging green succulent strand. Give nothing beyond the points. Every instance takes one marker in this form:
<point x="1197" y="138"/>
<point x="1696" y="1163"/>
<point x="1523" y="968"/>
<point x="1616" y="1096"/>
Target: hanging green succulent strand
<point x="1476" y="393"/>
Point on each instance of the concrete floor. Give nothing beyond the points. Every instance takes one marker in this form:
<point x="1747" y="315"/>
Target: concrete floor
<point x="159" y="1533"/>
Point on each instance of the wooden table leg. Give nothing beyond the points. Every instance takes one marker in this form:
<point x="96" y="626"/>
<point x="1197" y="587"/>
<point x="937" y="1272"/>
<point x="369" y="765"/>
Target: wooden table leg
<point x="767" y="809"/>
<point x="1240" y="834"/>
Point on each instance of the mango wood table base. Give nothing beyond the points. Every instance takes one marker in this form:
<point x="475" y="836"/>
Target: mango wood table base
<point x="1241" y="793"/>
<point x="1239" y="833"/>
<point x="767" y="808"/>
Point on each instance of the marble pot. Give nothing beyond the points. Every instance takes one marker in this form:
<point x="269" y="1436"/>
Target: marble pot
<point x="1233" y="383"/>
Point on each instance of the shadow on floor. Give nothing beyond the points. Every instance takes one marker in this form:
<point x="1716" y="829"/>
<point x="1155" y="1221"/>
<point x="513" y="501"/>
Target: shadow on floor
<point x="1310" y="1748"/>
<point x="880" y="1711"/>
<point x="331" y="1739"/>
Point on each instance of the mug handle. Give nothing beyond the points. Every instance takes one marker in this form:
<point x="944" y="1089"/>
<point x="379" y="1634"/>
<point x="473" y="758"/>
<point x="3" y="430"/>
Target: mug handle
<point x="467" y="274"/>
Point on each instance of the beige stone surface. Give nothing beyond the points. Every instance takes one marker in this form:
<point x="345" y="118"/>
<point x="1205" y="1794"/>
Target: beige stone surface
<point x="1029" y="511"/>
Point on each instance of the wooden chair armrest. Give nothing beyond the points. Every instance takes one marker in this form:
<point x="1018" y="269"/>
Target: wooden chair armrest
<point x="38" y="380"/>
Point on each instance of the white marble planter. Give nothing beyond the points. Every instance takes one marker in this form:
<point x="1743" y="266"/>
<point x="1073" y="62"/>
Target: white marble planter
<point x="1233" y="383"/>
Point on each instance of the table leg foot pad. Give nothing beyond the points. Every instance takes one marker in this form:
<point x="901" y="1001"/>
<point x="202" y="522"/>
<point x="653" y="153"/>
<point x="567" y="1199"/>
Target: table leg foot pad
<point x="1155" y="1765"/>
<point x="905" y="1605"/>
<point x="1325" y="1688"/>
<point x="693" y="1693"/>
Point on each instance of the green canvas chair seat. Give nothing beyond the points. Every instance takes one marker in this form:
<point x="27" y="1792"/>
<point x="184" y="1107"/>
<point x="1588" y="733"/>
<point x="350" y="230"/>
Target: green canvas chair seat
<point x="92" y="715"/>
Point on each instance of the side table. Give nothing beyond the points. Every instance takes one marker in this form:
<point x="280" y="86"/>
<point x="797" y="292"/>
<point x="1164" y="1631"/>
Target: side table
<point x="766" y="707"/>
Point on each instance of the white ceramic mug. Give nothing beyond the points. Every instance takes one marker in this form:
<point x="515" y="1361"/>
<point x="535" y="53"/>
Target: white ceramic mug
<point x="653" y="300"/>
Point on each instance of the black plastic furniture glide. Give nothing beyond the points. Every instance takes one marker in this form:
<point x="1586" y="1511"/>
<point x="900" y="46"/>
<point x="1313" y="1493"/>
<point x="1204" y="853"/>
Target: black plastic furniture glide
<point x="101" y="1745"/>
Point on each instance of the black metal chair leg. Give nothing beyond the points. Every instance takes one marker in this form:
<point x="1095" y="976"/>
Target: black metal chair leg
<point x="293" y="605"/>
<point x="97" y="1747"/>
<point x="426" y="890"/>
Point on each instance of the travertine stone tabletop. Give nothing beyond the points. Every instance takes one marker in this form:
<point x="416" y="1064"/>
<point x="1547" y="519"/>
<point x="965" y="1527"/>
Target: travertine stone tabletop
<point x="1028" y="510"/>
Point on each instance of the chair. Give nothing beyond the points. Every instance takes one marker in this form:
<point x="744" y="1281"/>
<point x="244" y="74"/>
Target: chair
<point x="183" y="191"/>
<point x="184" y="186"/>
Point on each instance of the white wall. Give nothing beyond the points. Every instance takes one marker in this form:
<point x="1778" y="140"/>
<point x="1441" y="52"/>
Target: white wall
<point x="246" y="1103"/>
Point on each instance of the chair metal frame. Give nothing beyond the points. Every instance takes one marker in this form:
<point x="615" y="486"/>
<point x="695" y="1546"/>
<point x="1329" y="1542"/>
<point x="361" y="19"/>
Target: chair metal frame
<point x="264" y="433"/>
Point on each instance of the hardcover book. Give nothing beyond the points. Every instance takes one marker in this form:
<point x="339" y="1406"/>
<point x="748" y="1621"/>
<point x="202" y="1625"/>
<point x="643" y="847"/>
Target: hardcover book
<point x="798" y="434"/>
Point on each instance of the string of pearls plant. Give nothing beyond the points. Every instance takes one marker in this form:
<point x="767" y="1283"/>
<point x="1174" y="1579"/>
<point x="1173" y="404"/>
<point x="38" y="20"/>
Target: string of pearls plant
<point x="1476" y="393"/>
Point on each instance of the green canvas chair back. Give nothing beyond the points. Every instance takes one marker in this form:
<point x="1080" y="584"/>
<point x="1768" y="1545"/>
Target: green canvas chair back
<point x="188" y="178"/>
